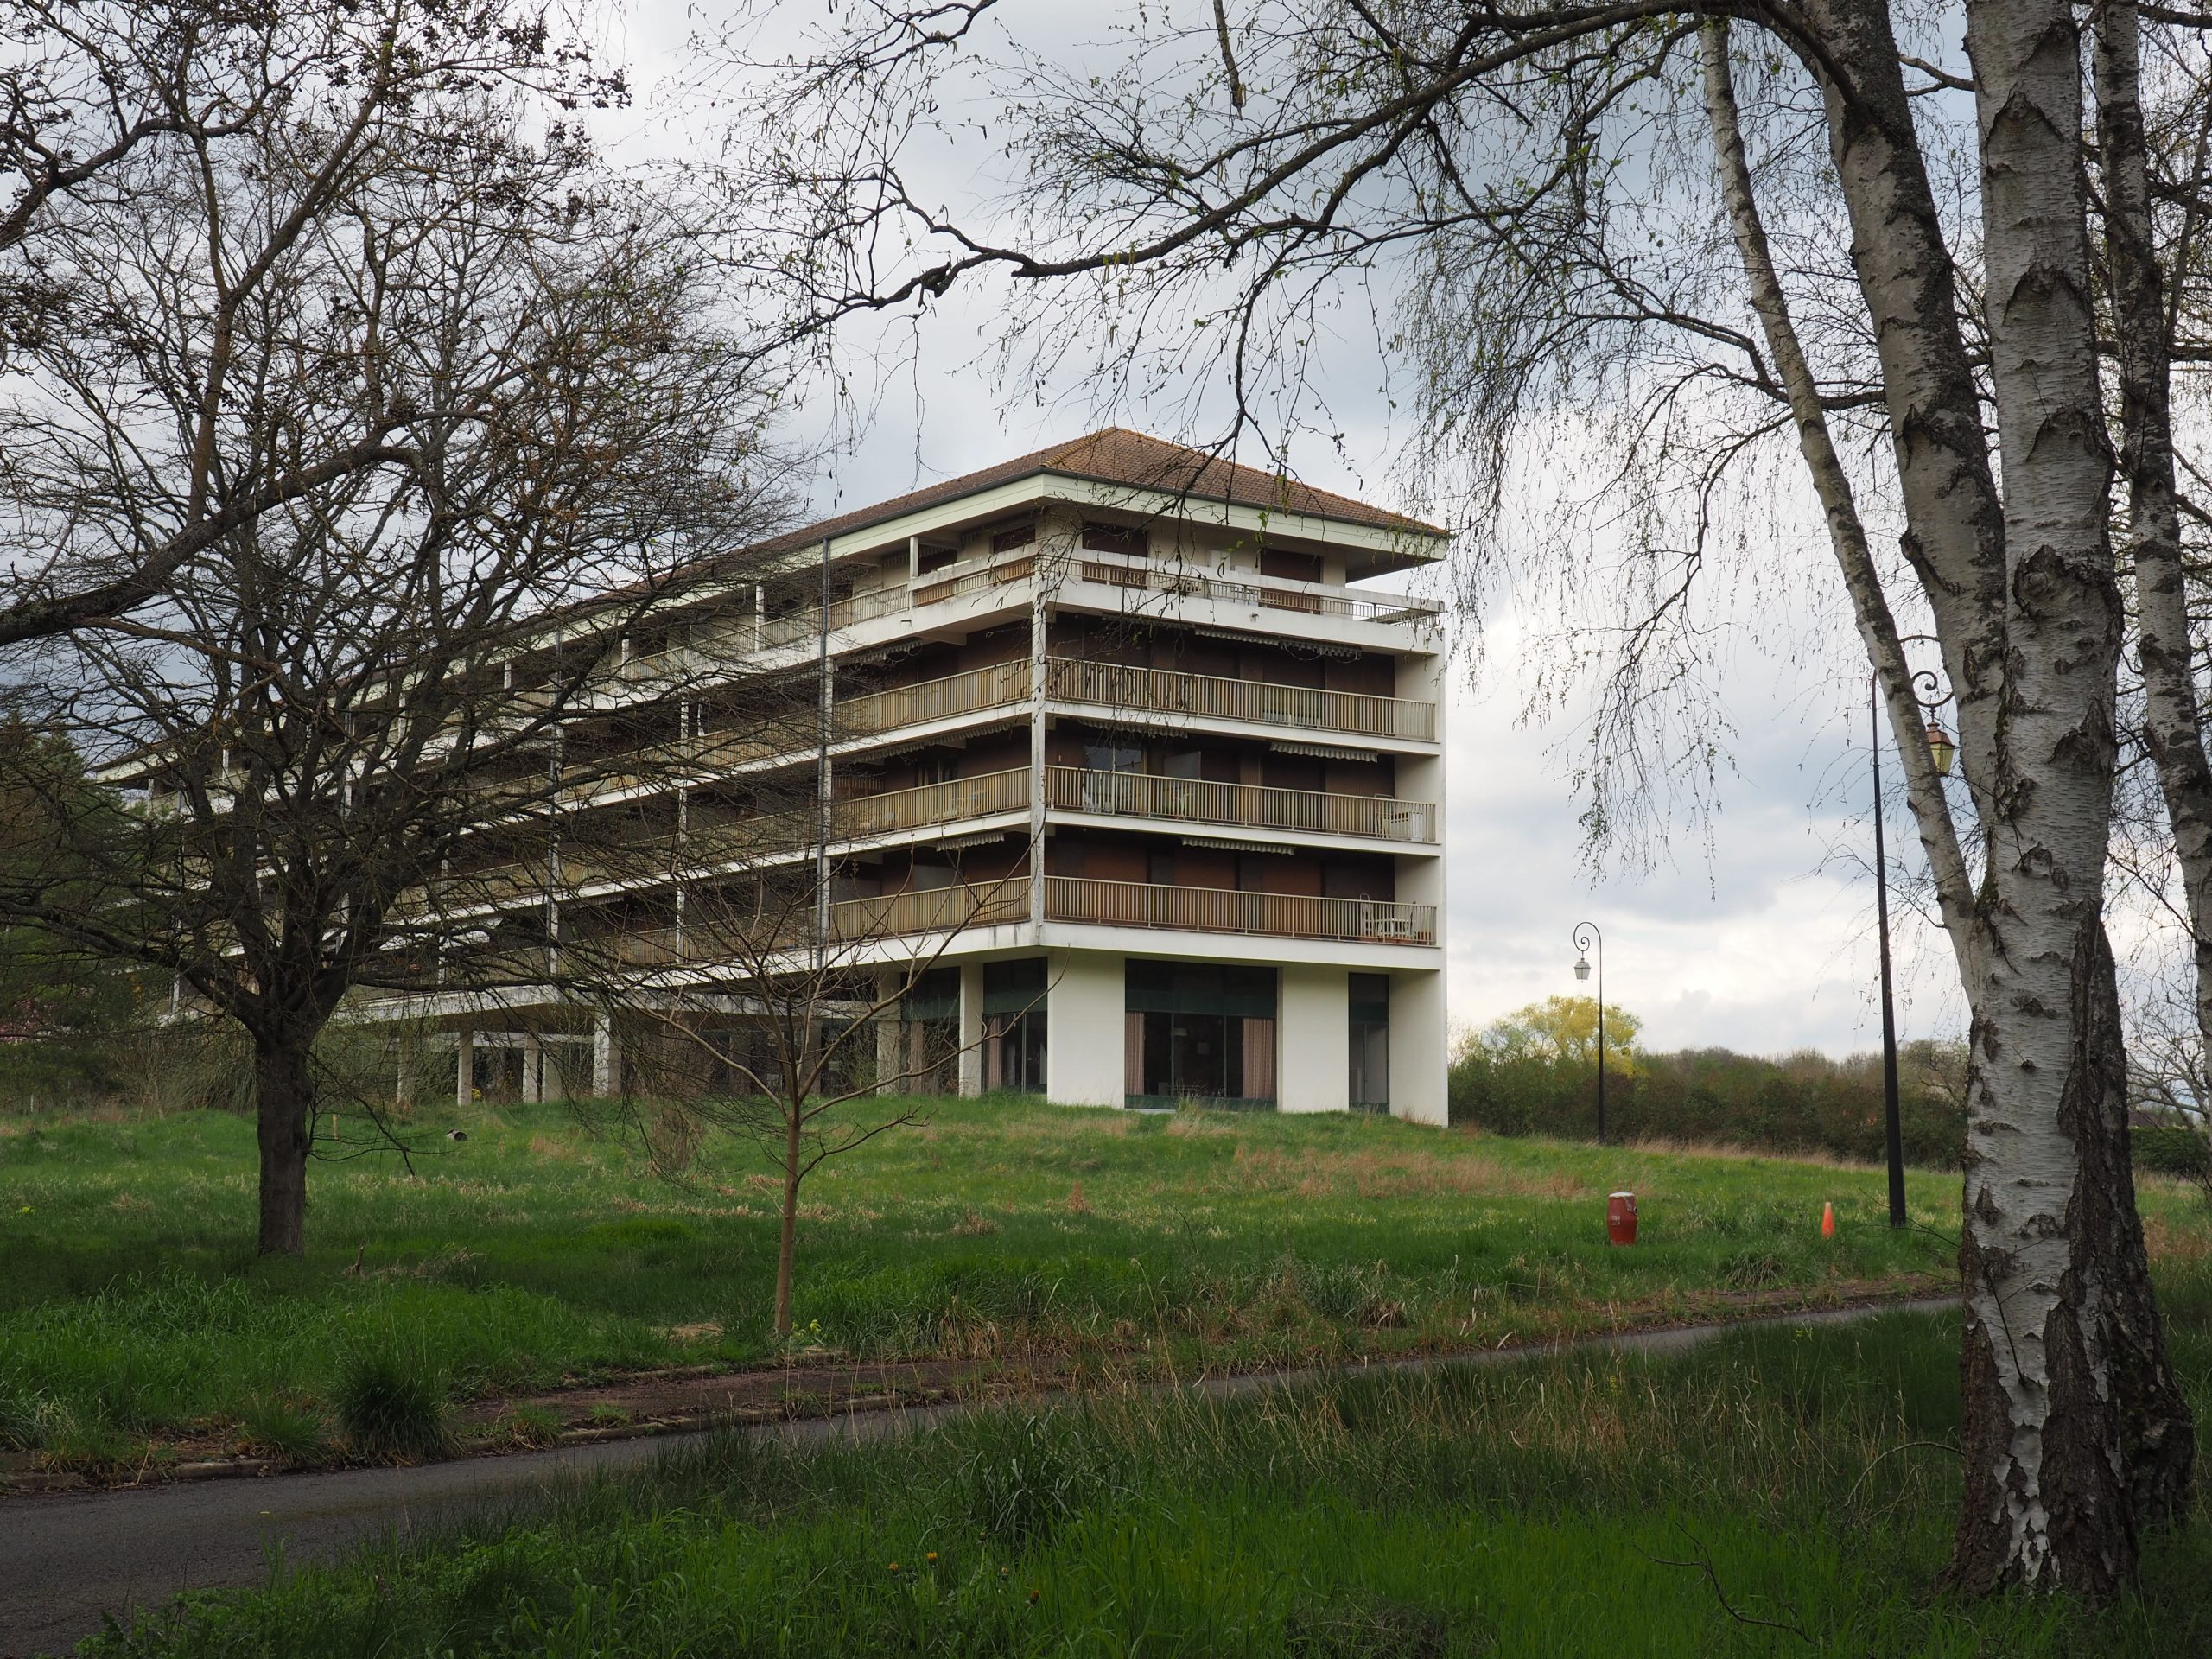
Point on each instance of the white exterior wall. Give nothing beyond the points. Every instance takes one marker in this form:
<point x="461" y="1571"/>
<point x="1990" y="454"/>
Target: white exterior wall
<point x="1420" y="1028"/>
<point x="1086" y="1002"/>
<point x="1312" y="1023"/>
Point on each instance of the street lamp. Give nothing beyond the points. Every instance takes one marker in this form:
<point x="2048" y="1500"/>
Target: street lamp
<point x="1587" y="939"/>
<point x="1942" y="750"/>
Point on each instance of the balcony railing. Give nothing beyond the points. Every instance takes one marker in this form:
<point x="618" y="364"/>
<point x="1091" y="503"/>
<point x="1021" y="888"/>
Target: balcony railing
<point x="1252" y="806"/>
<point x="1206" y="696"/>
<point x="1219" y="909"/>
<point x="993" y="687"/>
<point x="1309" y="598"/>
<point x="930" y="910"/>
<point x="931" y="803"/>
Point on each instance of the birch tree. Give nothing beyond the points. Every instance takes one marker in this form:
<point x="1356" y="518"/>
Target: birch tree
<point x="1560" y="207"/>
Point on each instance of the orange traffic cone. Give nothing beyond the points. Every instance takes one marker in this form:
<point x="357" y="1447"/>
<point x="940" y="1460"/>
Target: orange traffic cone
<point x="1828" y="1221"/>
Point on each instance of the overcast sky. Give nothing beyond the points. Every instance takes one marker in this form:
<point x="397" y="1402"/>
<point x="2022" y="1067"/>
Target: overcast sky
<point x="1752" y="929"/>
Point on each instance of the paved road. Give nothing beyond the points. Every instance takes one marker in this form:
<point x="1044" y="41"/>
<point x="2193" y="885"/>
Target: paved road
<point x="66" y="1559"/>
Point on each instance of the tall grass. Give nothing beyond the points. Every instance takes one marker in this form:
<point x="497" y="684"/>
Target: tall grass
<point x="1562" y="1506"/>
<point x="133" y="1304"/>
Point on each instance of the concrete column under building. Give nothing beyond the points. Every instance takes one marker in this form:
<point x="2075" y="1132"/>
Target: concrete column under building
<point x="603" y="1054"/>
<point x="890" y="1056"/>
<point x="1086" y="1004"/>
<point x="1314" y="1034"/>
<point x="533" y="1068"/>
<point x="464" y="1069"/>
<point x="971" y="1028"/>
<point x="403" y="1090"/>
<point x="1419" y="1035"/>
<point x="552" y="1070"/>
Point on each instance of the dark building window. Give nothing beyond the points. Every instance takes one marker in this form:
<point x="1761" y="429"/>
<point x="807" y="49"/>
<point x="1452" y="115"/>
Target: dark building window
<point x="1117" y="538"/>
<point x="1202" y="1031"/>
<point x="1369" y="1011"/>
<point x="1015" y="1026"/>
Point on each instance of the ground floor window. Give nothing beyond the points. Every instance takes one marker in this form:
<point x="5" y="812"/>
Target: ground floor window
<point x="928" y="1057"/>
<point x="1014" y="1024"/>
<point x="1202" y="1031"/>
<point x="1368" y="1087"/>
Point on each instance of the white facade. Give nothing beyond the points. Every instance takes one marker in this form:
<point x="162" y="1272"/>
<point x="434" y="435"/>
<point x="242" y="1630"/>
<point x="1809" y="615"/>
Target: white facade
<point x="1140" y="777"/>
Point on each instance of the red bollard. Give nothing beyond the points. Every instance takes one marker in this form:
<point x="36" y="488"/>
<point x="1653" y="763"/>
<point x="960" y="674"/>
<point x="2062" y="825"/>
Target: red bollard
<point x="1620" y="1217"/>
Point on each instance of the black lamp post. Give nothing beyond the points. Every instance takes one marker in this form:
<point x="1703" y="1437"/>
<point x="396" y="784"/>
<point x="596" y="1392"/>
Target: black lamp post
<point x="1588" y="938"/>
<point x="1942" y="750"/>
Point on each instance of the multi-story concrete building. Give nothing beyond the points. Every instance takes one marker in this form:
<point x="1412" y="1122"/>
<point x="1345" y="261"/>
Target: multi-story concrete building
<point x="1148" y="777"/>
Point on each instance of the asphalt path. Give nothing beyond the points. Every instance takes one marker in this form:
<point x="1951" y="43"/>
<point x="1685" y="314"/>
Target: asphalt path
<point x="66" y="1559"/>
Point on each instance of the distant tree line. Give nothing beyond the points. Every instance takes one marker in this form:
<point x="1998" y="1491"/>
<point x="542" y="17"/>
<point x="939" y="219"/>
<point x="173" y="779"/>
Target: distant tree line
<point x="1532" y="1073"/>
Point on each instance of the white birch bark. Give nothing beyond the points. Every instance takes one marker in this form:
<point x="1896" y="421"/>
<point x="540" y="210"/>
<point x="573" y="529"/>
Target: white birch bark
<point x="2046" y="1494"/>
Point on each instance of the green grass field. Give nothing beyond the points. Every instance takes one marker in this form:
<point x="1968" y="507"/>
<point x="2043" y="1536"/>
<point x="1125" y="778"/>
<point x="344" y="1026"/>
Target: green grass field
<point x="1562" y="1506"/>
<point x="133" y="1308"/>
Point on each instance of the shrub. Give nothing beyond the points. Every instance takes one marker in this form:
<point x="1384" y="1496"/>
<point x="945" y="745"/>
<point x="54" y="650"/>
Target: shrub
<point x="392" y="1403"/>
<point x="2173" y="1149"/>
<point x="1801" y="1102"/>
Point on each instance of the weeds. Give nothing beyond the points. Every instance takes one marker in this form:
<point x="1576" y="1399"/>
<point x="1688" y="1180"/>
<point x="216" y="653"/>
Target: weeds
<point x="1726" y="1502"/>
<point x="291" y="1429"/>
<point x="390" y="1401"/>
<point x="536" y="1250"/>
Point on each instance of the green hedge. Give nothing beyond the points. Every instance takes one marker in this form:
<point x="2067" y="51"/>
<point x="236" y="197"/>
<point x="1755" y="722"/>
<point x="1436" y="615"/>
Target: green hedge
<point x="1799" y="1103"/>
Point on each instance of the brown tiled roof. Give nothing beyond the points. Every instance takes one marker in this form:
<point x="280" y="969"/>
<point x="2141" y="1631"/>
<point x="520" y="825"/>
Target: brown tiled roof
<point x="1117" y="455"/>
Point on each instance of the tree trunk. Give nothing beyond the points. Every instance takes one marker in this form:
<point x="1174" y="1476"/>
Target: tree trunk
<point x="787" y="1244"/>
<point x="2048" y="1502"/>
<point x="283" y="1117"/>
<point x="2161" y="1453"/>
<point x="2066" y="1380"/>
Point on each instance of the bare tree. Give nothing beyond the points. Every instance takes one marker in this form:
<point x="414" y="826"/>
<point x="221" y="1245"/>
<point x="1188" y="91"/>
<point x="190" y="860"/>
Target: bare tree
<point x="777" y="1014"/>
<point x="1540" y="188"/>
<point x="350" y="717"/>
<point x="121" y="107"/>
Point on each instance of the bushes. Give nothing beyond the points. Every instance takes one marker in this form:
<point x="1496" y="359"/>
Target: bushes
<point x="1798" y="1103"/>
<point x="2173" y="1149"/>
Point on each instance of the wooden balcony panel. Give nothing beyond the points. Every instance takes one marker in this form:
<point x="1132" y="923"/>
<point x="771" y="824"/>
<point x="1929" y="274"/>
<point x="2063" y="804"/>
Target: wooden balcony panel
<point x="996" y="686"/>
<point x="1189" y="800"/>
<point x="930" y="804"/>
<point x="1205" y="697"/>
<point x="1219" y="909"/>
<point x="930" y="910"/>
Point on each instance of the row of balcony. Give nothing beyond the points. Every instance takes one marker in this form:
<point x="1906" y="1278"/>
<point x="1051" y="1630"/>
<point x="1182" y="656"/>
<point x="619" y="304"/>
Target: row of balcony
<point x="1117" y="691"/>
<point x="1067" y="789"/>
<point x="1171" y="581"/>
<point x="1074" y="899"/>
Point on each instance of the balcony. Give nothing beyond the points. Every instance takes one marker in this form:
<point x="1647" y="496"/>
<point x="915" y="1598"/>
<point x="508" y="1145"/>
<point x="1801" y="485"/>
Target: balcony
<point x="997" y="686"/>
<point x="930" y="910"/>
<point x="1258" y="703"/>
<point x="1269" y="594"/>
<point x="1220" y="910"/>
<point x="1247" y="806"/>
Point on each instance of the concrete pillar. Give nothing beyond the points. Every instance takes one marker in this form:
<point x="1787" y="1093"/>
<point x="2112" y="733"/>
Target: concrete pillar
<point x="1086" y="1004"/>
<point x="402" y="1092"/>
<point x="1420" y="1034"/>
<point x="552" y="1070"/>
<point x="971" y="1028"/>
<point x="464" y="1085"/>
<point x="603" y="1054"/>
<point x="890" y="1057"/>
<point x="1314" y="1038"/>
<point x="533" y="1067"/>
